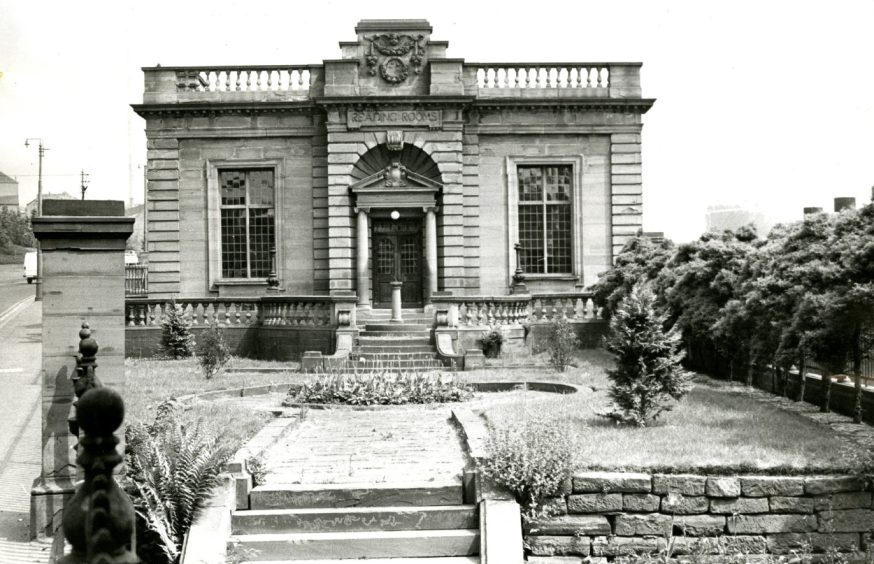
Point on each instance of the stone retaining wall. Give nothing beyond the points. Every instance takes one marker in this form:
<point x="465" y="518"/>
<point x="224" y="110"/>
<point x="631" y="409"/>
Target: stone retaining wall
<point x="609" y="515"/>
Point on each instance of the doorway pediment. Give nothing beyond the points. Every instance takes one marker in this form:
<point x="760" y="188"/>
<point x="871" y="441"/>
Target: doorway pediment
<point x="395" y="186"/>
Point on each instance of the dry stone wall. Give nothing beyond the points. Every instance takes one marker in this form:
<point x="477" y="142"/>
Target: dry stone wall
<point x="606" y="516"/>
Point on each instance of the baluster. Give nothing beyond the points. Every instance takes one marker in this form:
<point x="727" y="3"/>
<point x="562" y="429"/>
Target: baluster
<point x="501" y="78"/>
<point x="300" y="80"/>
<point x="572" y="76"/>
<point x="248" y="80"/>
<point x="588" y="77"/>
<point x="468" y="308"/>
<point x="237" y="306"/>
<point x="130" y="314"/>
<point x="599" y="76"/>
<point x="491" y="74"/>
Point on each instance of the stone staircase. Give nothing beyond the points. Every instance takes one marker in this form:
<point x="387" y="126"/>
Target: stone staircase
<point x="384" y="346"/>
<point x="415" y="523"/>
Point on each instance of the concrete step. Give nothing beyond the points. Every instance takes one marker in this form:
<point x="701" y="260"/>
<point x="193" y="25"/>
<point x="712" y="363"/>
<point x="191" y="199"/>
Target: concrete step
<point x="439" y="560"/>
<point x="395" y="327"/>
<point x="371" y="363"/>
<point x="358" y="544"/>
<point x="327" y="520"/>
<point x="399" y="340"/>
<point x="392" y="356"/>
<point x="371" y="348"/>
<point x="299" y="496"/>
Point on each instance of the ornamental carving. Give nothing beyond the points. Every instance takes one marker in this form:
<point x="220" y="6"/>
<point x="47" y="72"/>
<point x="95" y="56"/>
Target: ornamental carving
<point x="393" y="55"/>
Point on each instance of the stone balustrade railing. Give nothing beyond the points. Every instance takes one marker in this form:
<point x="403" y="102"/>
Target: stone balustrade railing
<point x="573" y="307"/>
<point x="244" y="79"/>
<point x="475" y="311"/>
<point x="541" y="75"/>
<point x="311" y="311"/>
<point x="300" y="310"/>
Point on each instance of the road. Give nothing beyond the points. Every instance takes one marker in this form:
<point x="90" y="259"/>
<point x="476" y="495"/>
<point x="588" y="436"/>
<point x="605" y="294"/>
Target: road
<point x="20" y="421"/>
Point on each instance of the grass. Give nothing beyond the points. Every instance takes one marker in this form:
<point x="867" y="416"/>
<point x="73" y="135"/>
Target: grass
<point x="150" y="381"/>
<point x="718" y="427"/>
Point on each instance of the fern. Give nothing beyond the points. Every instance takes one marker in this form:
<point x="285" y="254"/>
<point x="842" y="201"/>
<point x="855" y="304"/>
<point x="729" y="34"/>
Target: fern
<point x="174" y="469"/>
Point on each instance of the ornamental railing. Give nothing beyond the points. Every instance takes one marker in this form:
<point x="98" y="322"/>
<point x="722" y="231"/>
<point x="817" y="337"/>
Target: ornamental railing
<point x="244" y="79"/>
<point x="312" y="311"/>
<point x="541" y="75"/>
<point x="477" y="311"/>
<point x="136" y="280"/>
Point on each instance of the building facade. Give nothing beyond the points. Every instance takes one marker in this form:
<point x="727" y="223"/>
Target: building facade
<point x="8" y="194"/>
<point x="392" y="162"/>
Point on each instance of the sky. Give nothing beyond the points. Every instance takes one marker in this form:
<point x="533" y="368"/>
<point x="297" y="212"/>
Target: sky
<point x="763" y="104"/>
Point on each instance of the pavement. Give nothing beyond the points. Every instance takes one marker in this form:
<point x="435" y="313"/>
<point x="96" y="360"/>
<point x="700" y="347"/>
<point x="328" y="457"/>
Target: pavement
<point x="21" y="346"/>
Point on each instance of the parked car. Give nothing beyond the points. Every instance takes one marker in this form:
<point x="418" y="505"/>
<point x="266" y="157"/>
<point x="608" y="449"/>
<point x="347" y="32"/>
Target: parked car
<point x="30" y="266"/>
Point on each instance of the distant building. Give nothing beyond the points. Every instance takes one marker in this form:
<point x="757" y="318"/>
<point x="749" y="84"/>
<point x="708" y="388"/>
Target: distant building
<point x="31" y="205"/>
<point x="8" y="193"/>
<point x="720" y="218"/>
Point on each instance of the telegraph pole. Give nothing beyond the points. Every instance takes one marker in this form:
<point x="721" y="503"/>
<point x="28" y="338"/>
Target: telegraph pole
<point x="83" y="182"/>
<point x="42" y="152"/>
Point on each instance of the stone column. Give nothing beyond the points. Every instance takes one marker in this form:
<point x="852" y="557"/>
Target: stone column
<point x="430" y="252"/>
<point x="361" y="260"/>
<point x="83" y="246"/>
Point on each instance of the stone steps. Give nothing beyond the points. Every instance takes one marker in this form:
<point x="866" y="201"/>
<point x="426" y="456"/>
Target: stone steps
<point x="355" y="495"/>
<point x="436" y="517"/>
<point x="371" y="348"/>
<point x="393" y="328"/>
<point x="426" y="560"/>
<point x="358" y="544"/>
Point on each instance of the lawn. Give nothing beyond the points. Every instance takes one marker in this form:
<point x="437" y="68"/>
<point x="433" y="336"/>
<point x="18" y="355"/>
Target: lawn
<point x="149" y="382"/>
<point x="717" y="427"/>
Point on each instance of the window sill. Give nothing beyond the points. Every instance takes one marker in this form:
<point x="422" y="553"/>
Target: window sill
<point x="559" y="277"/>
<point x="242" y="282"/>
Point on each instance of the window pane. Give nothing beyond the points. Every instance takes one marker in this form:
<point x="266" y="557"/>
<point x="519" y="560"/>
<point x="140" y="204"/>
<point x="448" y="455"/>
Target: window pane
<point x="558" y="183"/>
<point x="261" y="187"/>
<point x="233" y="228"/>
<point x="385" y="257"/>
<point x="233" y="187"/>
<point x="260" y="241"/>
<point x="530" y="183"/>
<point x="531" y="238"/>
<point x="558" y="238"/>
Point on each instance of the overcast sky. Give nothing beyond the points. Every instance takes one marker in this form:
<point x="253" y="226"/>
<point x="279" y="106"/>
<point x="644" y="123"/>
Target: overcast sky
<point x="767" y="104"/>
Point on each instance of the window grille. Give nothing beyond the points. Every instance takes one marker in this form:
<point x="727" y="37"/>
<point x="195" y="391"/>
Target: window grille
<point x="545" y="218"/>
<point x="247" y="222"/>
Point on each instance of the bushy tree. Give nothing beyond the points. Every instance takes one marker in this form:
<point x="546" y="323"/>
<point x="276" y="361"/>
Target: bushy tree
<point x="648" y="373"/>
<point x="212" y="351"/>
<point x="561" y="344"/>
<point x="177" y="341"/>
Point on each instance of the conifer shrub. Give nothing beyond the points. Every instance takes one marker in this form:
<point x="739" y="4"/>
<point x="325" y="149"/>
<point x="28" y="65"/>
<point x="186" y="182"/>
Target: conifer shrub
<point x="212" y="351"/>
<point x="177" y="341"/>
<point x="648" y="374"/>
<point x="531" y="456"/>
<point x="561" y="344"/>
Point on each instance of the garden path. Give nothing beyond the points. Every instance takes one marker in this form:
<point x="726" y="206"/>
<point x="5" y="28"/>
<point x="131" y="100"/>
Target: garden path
<point x="345" y="446"/>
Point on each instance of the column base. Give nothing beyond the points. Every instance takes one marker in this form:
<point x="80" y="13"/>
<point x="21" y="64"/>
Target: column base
<point x="47" y="499"/>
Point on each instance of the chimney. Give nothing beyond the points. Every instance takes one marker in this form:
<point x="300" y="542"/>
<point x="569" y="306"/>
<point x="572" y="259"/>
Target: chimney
<point x="842" y="204"/>
<point x="811" y="211"/>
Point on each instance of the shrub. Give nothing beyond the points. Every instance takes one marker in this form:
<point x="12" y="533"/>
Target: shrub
<point x="212" y="352"/>
<point x="648" y="372"/>
<point x="561" y="344"/>
<point x="379" y="389"/>
<point x="257" y="469"/>
<point x="176" y="338"/>
<point x="491" y="341"/>
<point x="173" y="469"/>
<point x="531" y="456"/>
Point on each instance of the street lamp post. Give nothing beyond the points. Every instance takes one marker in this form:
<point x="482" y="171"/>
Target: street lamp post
<point x="42" y="151"/>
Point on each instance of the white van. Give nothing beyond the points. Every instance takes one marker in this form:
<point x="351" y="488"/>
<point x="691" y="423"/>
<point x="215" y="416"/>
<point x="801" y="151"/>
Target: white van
<point x="30" y="266"/>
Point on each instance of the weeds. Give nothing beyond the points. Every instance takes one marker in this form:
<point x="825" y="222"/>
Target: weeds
<point x="379" y="389"/>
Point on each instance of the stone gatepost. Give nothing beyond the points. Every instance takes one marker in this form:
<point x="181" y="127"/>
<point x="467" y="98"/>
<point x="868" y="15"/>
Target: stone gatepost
<point x="83" y="245"/>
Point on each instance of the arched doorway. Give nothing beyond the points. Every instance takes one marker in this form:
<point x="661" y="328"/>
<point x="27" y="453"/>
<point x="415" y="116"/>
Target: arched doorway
<point x="396" y="193"/>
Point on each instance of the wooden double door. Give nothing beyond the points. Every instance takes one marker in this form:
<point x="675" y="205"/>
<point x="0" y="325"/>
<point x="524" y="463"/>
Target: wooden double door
<point x="397" y="255"/>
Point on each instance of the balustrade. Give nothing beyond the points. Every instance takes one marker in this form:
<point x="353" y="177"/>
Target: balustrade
<point x="201" y="312"/>
<point x="572" y="307"/>
<point x="246" y="79"/>
<point x="541" y="75"/>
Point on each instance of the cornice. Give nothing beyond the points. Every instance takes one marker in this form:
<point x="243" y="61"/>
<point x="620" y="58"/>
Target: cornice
<point x="378" y="101"/>
<point x="179" y="109"/>
<point x="641" y="105"/>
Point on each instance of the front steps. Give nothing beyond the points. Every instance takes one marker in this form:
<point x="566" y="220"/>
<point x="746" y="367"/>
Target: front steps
<point x="399" y="348"/>
<point x="417" y="523"/>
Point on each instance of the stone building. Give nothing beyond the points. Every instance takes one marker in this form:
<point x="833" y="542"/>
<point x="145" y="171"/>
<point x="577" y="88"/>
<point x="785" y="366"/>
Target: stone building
<point x="392" y="162"/>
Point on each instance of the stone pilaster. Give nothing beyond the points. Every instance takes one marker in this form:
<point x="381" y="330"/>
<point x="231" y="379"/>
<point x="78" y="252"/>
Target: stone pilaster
<point x="626" y="188"/>
<point x="470" y="164"/>
<point x="321" y="271"/>
<point x="162" y="204"/>
<point x="83" y="264"/>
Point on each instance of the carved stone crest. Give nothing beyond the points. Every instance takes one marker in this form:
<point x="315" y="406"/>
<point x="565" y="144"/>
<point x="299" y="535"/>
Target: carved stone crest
<point x="393" y="55"/>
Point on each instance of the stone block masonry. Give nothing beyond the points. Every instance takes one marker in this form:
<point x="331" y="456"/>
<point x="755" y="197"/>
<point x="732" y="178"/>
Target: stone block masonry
<point x="611" y="515"/>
